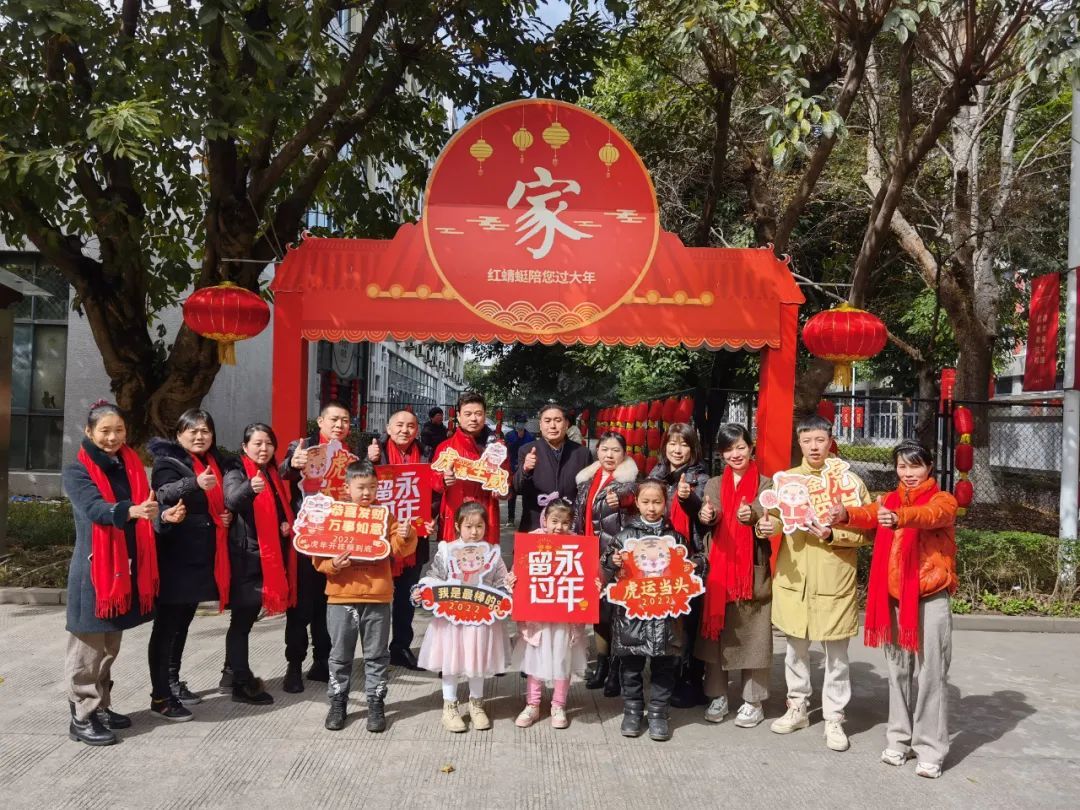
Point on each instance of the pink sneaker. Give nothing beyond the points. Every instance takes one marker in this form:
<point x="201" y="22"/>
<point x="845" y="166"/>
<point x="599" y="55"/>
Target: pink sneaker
<point x="558" y="717"/>
<point x="529" y="715"/>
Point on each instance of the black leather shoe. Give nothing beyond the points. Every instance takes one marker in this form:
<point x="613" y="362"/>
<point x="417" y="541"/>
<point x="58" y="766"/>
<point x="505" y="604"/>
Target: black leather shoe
<point x="403" y="658"/>
<point x="659" y="727"/>
<point x="335" y="718"/>
<point x="613" y="683"/>
<point x="319" y="671"/>
<point x="253" y="692"/>
<point x="113" y="720"/>
<point x="294" y="681"/>
<point x="376" y="715"/>
<point x="633" y="721"/>
<point x="90" y="731"/>
<point x="599" y="675"/>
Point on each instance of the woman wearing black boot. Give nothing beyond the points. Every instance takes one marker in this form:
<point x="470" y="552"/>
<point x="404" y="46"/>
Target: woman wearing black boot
<point x="263" y="558"/>
<point x="113" y="577"/>
<point x="193" y="553"/>
<point x="605" y="490"/>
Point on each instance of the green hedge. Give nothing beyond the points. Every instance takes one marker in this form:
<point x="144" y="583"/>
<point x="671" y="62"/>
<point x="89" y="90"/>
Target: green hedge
<point x="37" y="524"/>
<point x="866" y="452"/>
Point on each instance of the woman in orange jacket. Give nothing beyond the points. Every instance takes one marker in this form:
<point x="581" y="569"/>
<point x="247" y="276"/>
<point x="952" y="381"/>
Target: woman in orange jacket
<point x="912" y="575"/>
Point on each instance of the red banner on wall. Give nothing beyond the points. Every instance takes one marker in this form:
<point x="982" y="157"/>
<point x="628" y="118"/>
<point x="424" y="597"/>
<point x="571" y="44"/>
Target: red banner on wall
<point x="1040" y="368"/>
<point x="556" y="578"/>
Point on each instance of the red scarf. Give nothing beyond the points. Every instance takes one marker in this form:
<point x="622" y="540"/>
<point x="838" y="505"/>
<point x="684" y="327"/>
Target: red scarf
<point x="215" y="502"/>
<point x="110" y="567"/>
<point x="878" y="629"/>
<point x="731" y="558"/>
<point x="464" y="491"/>
<point x="395" y="456"/>
<point x="594" y="490"/>
<point x="677" y="515"/>
<point x="279" y="577"/>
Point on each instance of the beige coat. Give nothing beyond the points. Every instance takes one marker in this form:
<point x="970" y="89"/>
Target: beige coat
<point x="814" y="583"/>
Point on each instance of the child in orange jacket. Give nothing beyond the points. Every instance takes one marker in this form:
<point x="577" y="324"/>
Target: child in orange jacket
<point x="359" y="595"/>
<point x="912" y="574"/>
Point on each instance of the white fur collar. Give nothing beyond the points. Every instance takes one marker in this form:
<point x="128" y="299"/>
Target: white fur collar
<point x="625" y="473"/>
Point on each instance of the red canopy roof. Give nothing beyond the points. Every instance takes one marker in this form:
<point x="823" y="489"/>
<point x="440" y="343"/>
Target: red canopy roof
<point x="368" y="289"/>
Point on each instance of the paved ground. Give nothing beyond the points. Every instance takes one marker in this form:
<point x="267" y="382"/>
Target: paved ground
<point x="1015" y="710"/>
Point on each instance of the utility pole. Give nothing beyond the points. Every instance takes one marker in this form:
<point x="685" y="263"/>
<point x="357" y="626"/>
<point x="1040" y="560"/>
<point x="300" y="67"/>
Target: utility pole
<point x="1070" y="425"/>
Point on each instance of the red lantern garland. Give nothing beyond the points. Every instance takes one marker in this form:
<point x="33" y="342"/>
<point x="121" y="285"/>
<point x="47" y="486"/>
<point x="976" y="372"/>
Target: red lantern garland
<point x="843" y="335"/>
<point x="964" y="458"/>
<point x="226" y="313"/>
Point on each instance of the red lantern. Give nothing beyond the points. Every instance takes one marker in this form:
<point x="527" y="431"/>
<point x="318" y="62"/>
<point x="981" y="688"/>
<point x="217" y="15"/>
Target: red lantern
<point x="656" y="413"/>
<point x="451" y="422"/>
<point x="226" y="313"/>
<point x="639" y="459"/>
<point x="641" y="414"/>
<point x="964" y="492"/>
<point x="583" y="418"/>
<point x="685" y="410"/>
<point x="965" y="457"/>
<point x="653" y="437"/>
<point x="826" y="409"/>
<point x="650" y="463"/>
<point x="963" y="420"/>
<point x="668" y="411"/>
<point x="843" y="335"/>
<point x="498" y="422"/>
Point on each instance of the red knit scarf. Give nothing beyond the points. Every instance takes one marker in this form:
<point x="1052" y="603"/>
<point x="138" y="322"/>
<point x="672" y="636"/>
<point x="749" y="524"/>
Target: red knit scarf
<point x="215" y="501"/>
<point x="878" y="629"/>
<point x="278" y="576"/>
<point x="395" y="456"/>
<point x="594" y="490"/>
<point x="110" y="567"/>
<point x="731" y="558"/>
<point x="678" y="517"/>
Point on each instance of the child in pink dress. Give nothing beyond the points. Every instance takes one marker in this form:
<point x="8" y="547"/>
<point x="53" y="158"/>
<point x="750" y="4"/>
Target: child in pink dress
<point x="549" y="652"/>
<point x="474" y="652"/>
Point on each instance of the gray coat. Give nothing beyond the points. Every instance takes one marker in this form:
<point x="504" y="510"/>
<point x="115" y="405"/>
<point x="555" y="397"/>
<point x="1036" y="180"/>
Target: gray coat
<point x="90" y="507"/>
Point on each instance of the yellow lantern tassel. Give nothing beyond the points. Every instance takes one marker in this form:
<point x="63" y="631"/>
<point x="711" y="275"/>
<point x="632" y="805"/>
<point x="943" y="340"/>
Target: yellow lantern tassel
<point x="842" y="375"/>
<point x="226" y="352"/>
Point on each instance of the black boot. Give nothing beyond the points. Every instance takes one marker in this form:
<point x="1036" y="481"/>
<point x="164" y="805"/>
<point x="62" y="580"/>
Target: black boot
<point x="659" y="728"/>
<point x="225" y="685"/>
<point x="633" y="720"/>
<point x="252" y="691"/>
<point x="90" y="731"/>
<point x="320" y="671"/>
<point x="613" y="683"/>
<point x="294" y="681"/>
<point x="335" y="718"/>
<point x="376" y="714"/>
<point x="113" y="720"/>
<point x="600" y="674"/>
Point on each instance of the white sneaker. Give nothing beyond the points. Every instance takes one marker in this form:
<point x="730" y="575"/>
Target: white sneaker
<point x="894" y="758"/>
<point x="928" y="770"/>
<point x="558" y="717"/>
<point x="835" y="738"/>
<point x="529" y="715"/>
<point x="717" y="710"/>
<point x="794" y="718"/>
<point x="749" y="715"/>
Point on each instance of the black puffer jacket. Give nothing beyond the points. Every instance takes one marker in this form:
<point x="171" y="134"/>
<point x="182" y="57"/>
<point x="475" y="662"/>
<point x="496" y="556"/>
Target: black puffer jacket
<point x="650" y="637"/>
<point x="606" y="520"/>
<point x="696" y="476"/>
<point x="244" y="557"/>
<point x="185" y="550"/>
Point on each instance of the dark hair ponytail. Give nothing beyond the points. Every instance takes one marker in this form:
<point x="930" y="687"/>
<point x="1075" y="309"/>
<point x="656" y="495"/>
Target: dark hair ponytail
<point x="100" y="409"/>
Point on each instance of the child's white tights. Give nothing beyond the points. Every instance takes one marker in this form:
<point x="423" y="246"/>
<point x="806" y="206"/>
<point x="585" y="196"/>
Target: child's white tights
<point x="449" y="688"/>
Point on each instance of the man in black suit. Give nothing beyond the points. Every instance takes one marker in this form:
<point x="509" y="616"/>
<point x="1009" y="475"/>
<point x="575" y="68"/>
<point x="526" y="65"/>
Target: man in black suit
<point x="547" y="468"/>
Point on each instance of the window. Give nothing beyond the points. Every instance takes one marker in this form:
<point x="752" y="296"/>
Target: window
<point x="38" y="367"/>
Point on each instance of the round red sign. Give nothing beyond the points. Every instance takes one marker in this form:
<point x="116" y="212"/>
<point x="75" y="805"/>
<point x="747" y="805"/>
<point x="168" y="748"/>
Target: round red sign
<point x="540" y="217"/>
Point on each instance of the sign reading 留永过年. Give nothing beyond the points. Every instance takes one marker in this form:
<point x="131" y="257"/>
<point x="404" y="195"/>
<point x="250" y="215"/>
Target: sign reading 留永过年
<point x="557" y="578"/>
<point x="540" y="217"/>
<point x="406" y="490"/>
<point x="328" y="528"/>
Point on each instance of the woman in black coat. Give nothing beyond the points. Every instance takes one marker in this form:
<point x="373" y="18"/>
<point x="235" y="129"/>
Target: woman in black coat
<point x="193" y="557"/>
<point x="261" y="554"/>
<point x="113" y="577"/>
<point x="605" y="491"/>
<point x="681" y="471"/>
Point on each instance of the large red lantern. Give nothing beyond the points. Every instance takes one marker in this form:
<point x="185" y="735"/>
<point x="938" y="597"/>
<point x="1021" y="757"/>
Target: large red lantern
<point x="656" y="413"/>
<point x="668" y="410"/>
<point x="226" y="313"/>
<point x="685" y="410"/>
<point x="844" y="335"/>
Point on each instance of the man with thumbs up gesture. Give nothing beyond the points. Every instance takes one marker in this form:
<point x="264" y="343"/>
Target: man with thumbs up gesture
<point x="548" y="467"/>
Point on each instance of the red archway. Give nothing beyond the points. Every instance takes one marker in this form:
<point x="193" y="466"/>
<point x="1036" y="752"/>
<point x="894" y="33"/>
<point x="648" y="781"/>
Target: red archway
<point x="604" y="273"/>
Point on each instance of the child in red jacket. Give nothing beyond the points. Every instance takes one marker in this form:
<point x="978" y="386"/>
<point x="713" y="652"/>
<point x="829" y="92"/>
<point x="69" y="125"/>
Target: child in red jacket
<point x="907" y="605"/>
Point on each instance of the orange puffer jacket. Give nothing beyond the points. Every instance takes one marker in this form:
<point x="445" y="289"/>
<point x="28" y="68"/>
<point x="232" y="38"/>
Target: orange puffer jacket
<point x="934" y="521"/>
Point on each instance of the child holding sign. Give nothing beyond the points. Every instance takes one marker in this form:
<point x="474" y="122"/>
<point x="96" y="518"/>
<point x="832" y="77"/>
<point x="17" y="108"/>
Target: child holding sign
<point x="642" y="546"/>
<point x="358" y="596"/>
<point x="547" y="651"/>
<point x="472" y="651"/>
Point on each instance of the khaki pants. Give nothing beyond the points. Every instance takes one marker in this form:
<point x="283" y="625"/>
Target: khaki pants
<point x="88" y="669"/>
<point x="920" y="722"/>
<point x="836" y="689"/>
<point x="755" y="683"/>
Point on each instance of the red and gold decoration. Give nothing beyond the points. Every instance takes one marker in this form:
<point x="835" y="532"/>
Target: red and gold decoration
<point x="226" y="313"/>
<point x="557" y="579"/>
<point x="656" y="580"/>
<point x="963" y="458"/>
<point x="844" y="335"/>
<point x="463" y="598"/>
<point x="328" y="528"/>
<point x="485" y="470"/>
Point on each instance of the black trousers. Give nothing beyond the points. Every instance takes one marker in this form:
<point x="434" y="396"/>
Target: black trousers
<point x="310" y="611"/>
<point x="236" y="641"/>
<point x="166" y="648"/>
<point x="664" y="671"/>
<point x="401" y="612"/>
<point x="511" y="506"/>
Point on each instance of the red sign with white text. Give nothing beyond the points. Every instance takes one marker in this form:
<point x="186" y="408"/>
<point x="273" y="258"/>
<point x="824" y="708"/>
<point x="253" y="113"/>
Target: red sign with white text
<point x="556" y="578"/>
<point x="656" y="580"/>
<point x="325" y="470"/>
<point x="406" y="490"/>
<point x="540" y="217"/>
<point x="1040" y="368"/>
